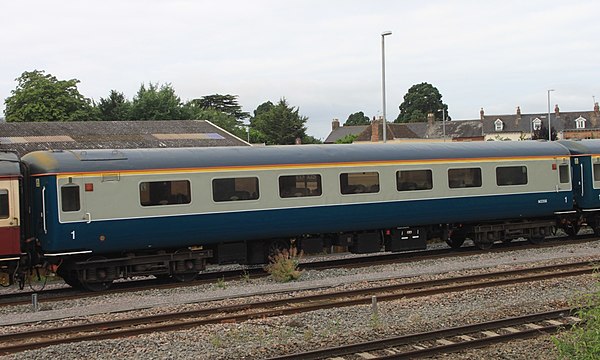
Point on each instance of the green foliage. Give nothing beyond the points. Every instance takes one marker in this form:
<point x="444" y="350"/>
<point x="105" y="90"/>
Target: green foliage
<point x="221" y="119"/>
<point x="226" y="104"/>
<point x="420" y="100"/>
<point x="157" y="103"/>
<point x="357" y="118"/>
<point x="114" y="107"/>
<point x="221" y="284"/>
<point x="307" y="139"/>
<point x="283" y="266"/>
<point x="348" y="139"/>
<point x="278" y="124"/>
<point x="582" y="341"/>
<point x="40" y="97"/>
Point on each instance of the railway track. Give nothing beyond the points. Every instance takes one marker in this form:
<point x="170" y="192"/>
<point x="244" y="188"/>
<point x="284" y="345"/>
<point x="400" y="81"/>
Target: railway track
<point x="447" y="340"/>
<point x="294" y="304"/>
<point x="68" y="293"/>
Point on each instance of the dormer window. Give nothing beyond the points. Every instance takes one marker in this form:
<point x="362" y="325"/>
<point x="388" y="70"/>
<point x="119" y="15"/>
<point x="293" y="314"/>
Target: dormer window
<point x="580" y="123"/>
<point x="498" y="125"/>
<point x="537" y="124"/>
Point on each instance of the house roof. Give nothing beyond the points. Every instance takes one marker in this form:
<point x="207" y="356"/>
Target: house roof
<point x="343" y="131"/>
<point x="524" y="123"/>
<point x="24" y="137"/>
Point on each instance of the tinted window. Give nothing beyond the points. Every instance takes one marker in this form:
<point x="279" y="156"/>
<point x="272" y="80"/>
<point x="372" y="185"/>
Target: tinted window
<point x="157" y="193"/>
<point x="361" y="182"/>
<point x="563" y="173"/>
<point x="407" y="180"/>
<point x="511" y="175"/>
<point x="4" y="210"/>
<point x="596" y="172"/>
<point x="69" y="198"/>
<point x="300" y="186"/>
<point x="464" y="178"/>
<point x="235" y="189"/>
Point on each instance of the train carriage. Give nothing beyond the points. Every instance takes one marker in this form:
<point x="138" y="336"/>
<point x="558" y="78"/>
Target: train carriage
<point x="585" y="163"/>
<point x="10" y="213"/>
<point x="166" y="210"/>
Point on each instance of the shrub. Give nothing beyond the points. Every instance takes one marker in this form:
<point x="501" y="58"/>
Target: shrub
<point x="283" y="266"/>
<point x="582" y="341"/>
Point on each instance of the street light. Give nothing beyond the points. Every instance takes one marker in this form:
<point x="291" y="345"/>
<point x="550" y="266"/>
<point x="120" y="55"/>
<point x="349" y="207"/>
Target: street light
<point x="549" y="125"/>
<point x="383" y="35"/>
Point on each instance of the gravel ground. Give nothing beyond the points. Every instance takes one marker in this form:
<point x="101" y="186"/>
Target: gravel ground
<point x="262" y="338"/>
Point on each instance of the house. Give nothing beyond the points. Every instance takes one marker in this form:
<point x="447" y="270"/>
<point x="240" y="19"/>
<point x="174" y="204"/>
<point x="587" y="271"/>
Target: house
<point x="24" y="137"/>
<point x="518" y="126"/>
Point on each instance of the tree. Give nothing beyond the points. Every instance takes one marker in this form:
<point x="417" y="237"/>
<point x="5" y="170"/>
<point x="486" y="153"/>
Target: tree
<point x="227" y="104"/>
<point x="222" y="120"/>
<point x="114" y="107"/>
<point x="420" y="100"/>
<point x="357" y="118"/>
<point x="279" y="124"/>
<point x="154" y="103"/>
<point x="542" y="133"/>
<point x="41" y="97"/>
<point x="348" y="139"/>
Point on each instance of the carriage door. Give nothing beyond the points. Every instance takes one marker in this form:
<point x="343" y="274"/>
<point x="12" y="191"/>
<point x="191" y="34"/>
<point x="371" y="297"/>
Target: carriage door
<point x="10" y="221"/>
<point x="578" y="178"/>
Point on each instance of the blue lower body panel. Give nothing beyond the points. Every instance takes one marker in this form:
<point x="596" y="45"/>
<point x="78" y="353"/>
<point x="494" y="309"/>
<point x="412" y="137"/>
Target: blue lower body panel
<point x="204" y="229"/>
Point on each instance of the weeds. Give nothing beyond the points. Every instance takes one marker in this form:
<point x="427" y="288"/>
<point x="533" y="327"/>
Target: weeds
<point x="283" y="266"/>
<point x="221" y="284"/>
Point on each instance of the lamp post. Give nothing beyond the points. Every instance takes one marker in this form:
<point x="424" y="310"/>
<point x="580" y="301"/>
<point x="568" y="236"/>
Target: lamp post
<point x="549" y="125"/>
<point x="383" y="35"/>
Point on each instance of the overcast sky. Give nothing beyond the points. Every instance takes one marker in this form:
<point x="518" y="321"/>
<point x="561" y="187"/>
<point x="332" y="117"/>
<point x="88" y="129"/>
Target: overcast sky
<point x="322" y="56"/>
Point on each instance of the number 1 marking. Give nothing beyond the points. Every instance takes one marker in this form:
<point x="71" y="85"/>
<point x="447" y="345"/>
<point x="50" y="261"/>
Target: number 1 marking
<point x="73" y="234"/>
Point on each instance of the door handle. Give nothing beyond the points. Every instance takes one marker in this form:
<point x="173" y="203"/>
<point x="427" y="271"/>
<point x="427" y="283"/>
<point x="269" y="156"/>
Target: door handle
<point x="89" y="217"/>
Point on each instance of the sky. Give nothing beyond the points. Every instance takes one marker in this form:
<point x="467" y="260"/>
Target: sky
<point x="323" y="57"/>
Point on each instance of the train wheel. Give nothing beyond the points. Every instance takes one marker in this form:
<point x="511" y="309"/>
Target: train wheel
<point x="184" y="269"/>
<point x="454" y="242"/>
<point x="101" y="273"/>
<point x="537" y="239"/>
<point x="484" y="245"/>
<point x="571" y="229"/>
<point x="69" y="277"/>
<point x="456" y="237"/>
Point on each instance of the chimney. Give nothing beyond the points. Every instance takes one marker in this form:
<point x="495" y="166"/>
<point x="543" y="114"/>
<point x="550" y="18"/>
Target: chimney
<point x="375" y="130"/>
<point x="518" y="119"/>
<point x="556" y="111"/>
<point x="335" y="124"/>
<point x="481" y="113"/>
<point x="595" y="115"/>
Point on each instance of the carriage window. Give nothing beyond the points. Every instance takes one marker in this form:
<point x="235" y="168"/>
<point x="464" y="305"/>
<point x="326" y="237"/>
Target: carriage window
<point x="464" y="178"/>
<point x="300" y="186"/>
<point x="596" y="172"/>
<point x="407" y="180"/>
<point x="563" y="173"/>
<point x="158" y="193"/>
<point x="69" y="198"/>
<point x="4" y="212"/>
<point x="357" y="183"/>
<point x="511" y="175"/>
<point x="235" y="189"/>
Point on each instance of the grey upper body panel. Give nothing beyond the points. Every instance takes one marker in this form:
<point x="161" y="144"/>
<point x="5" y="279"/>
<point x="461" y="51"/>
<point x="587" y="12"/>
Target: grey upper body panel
<point x="50" y="162"/>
